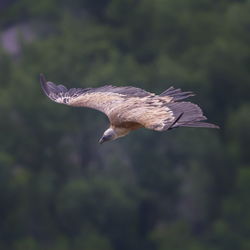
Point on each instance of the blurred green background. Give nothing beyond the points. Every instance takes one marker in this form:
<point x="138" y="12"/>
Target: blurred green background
<point x="182" y="189"/>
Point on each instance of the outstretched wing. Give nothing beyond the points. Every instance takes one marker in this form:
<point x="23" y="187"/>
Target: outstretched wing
<point x="104" y="99"/>
<point x="128" y="106"/>
<point x="162" y="112"/>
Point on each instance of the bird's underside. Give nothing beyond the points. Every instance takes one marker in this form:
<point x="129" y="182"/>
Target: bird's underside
<point x="129" y="108"/>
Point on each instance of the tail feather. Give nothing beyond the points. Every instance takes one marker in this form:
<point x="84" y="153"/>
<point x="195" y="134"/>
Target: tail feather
<point x="198" y="124"/>
<point x="190" y="115"/>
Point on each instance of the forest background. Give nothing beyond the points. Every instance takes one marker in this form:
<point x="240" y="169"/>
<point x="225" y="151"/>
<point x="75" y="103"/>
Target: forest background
<point x="182" y="189"/>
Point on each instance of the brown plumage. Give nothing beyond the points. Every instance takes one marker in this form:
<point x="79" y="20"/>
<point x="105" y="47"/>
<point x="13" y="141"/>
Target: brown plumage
<point x="129" y="108"/>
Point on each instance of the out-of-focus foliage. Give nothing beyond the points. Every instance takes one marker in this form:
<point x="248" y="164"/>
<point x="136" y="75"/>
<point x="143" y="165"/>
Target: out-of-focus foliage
<point x="183" y="189"/>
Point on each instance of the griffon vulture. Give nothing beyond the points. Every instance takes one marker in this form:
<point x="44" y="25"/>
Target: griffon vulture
<point x="129" y="108"/>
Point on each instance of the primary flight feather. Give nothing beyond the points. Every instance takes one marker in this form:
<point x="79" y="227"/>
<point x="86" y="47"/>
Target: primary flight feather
<point x="129" y="108"/>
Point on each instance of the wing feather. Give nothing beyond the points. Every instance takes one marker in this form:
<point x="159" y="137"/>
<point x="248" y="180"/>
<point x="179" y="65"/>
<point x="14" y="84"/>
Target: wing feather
<point x="104" y="99"/>
<point x="158" y="114"/>
<point x="130" y="105"/>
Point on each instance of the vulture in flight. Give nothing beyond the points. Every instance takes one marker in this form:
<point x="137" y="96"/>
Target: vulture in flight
<point x="129" y="108"/>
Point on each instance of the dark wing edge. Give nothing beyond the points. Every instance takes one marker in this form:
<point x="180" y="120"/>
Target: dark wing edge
<point x="104" y="99"/>
<point x="188" y="115"/>
<point x="43" y="84"/>
<point x="51" y="90"/>
<point x="60" y="93"/>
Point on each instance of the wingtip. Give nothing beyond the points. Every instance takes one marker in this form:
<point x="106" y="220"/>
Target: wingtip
<point x="43" y="83"/>
<point x="42" y="78"/>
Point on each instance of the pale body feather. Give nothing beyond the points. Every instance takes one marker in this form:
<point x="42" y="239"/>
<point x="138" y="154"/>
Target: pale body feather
<point x="134" y="109"/>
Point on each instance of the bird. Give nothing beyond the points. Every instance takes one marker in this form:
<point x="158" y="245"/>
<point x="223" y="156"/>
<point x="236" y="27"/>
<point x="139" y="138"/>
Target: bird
<point x="129" y="108"/>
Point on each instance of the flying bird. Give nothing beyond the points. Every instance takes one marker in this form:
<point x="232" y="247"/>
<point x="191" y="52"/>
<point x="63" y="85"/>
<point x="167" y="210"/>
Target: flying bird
<point x="130" y="108"/>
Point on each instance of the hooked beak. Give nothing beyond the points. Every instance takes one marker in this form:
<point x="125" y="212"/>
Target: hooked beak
<point x="102" y="140"/>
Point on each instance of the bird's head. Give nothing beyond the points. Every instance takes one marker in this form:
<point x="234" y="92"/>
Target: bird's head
<point x="108" y="135"/>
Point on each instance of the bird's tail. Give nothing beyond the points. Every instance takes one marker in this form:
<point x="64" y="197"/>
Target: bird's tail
<point x="189" y="115"/>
